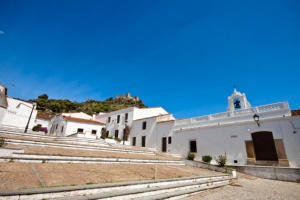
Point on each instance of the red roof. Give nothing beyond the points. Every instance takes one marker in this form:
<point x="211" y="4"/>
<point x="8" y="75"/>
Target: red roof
<point x="44" y="116"/>
<point x="295" y="112"/>
<point x="83" y="120"/>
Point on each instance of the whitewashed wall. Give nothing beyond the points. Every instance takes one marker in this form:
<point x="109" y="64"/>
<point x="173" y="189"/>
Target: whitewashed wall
<point x="43" y="122"/>
<point x="71" y="127"/>
<point x="218" y="139"/>
<point x="134" y="113"/>
<point x="164" y="129"/>
<point x="137" y="131"/>
<point x="17" y="114"/>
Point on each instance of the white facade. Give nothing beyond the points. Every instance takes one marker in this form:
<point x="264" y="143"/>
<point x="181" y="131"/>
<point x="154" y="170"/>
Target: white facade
<point x="234" y="132"/>
<point x="43" y="119"/>
<point x="18" y="113"/>
<point x="115" y="121"/>
<point x="3" y="102"/>
<point x="78" y="127"/>
<point x="153" y="132"/>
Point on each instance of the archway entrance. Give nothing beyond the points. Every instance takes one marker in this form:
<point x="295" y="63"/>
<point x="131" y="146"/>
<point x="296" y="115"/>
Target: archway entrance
<point x="264" y="146"/>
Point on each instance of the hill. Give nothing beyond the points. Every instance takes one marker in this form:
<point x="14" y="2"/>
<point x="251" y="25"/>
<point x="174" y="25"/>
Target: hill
<point x="56" y="106"/>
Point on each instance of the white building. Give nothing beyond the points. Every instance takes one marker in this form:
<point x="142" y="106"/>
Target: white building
<point x="3" y="102"/>
<point x="115" y="121"/>
<point x="153" y="132"/>
<point x="43" y="119"/>
<point x="18" y="113"/>
<point x="266" y="134"/>
<point x="76" y="125"/>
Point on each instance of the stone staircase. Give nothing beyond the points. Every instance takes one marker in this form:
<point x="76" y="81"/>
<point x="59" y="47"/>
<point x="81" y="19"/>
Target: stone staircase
<point x="139" y="190"/>
<point x="78" y="140"/>
<point x="38" y="158"/>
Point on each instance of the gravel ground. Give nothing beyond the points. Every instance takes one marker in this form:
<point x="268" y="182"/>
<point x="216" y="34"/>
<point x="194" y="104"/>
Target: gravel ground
<point x="247" y="187"/>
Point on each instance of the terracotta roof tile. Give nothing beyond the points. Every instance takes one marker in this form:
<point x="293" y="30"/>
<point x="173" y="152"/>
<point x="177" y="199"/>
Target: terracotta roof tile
<point x="83" y="120"/>
<point x="44" y="116"/>
<point x="295" y="112"/>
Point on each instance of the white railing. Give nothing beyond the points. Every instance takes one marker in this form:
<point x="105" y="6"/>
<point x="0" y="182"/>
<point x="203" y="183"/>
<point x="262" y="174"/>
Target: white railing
<point x="238" y="113"/>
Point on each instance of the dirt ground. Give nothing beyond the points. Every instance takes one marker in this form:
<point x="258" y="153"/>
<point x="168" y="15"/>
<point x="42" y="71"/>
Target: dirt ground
<point x="14" y="176"/>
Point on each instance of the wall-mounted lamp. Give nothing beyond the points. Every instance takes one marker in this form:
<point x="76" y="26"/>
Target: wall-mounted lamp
<point x="256" y="119"/>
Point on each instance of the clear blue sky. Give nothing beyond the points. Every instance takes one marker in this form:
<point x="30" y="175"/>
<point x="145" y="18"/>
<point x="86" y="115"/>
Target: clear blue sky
<point x="185" y="56"/>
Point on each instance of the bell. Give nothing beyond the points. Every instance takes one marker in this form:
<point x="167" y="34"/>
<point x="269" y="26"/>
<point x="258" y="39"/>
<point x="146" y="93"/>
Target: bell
<point x="237" y="104"/>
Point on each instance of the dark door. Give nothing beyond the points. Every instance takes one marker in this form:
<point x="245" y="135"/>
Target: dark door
<point x="264" y="146"/>
<point x="143" y="141"/>
<point x="133" y="141"/>
<point x="164" y="144"/>
<point x="193" y="146"/>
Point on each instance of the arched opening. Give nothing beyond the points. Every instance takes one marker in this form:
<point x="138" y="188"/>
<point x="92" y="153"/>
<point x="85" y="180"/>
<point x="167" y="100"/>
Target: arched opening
<point x="264" y="146"/>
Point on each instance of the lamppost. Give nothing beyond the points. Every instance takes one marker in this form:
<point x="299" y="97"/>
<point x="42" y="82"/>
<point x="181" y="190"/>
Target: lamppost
<point x="33" y="105"/>
<point x="125" y="131"/>
<point x="256" y="119"/>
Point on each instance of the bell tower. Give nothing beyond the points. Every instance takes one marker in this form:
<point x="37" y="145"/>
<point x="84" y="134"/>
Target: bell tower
<point x="237" y="101"/>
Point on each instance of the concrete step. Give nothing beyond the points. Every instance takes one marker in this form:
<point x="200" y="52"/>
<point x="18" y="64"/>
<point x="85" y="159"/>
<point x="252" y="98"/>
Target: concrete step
<point x="83" y="147"/>
<point x="29" y="134"/>
<point x="42" y="158"/>
<point x="123" y="190"/>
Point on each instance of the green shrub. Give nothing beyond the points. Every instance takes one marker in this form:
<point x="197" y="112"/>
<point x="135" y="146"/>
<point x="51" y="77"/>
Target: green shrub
<point x="103" y="133"/>
<point x="35" y="128"/>
<point x="206" y="159"/>
<point x="3" y="141"/>
<point x="191" y="156"/>
<point x="221" y="160"/>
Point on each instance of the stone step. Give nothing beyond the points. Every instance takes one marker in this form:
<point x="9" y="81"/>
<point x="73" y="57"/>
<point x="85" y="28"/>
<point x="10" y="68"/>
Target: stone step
<point x="42" y="158"/>
<point x="83" y="147"/>
<point x="30" y="135"/>
<point x="122" y="190"/>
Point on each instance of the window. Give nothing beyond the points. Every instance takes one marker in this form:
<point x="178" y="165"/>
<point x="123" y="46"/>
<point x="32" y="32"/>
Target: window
<point x="62" y="129"/>
<point x="108" y="121"/>
<point x="144" y="125"/>
<point x="94" y="132"/>
<point x="116" y="133"/>
<point x="56" y="126"/>
<point x="126" y="116"/>
<point x="169" y="140"/>
<point x="193" y="146"/>
<point x="80" y="130"/>
<point x="118" y="119"/>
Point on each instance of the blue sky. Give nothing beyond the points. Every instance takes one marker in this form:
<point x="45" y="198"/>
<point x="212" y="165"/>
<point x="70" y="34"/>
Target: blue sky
<point x="185" y="56"/>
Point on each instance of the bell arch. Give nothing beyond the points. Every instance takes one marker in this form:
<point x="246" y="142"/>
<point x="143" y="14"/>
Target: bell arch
<point x="237" y="101"/>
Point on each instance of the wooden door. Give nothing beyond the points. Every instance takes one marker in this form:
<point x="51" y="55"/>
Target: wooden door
<point x="164" y="144"/>
<point x="143" y="141"/>
<point x="133" y="141"/>
<point x="264" y="146"/>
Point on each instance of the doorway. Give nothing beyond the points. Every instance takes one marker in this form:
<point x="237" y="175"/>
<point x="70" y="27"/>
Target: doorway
<point x="264" y="146"/>
<point x="164" y="144"/>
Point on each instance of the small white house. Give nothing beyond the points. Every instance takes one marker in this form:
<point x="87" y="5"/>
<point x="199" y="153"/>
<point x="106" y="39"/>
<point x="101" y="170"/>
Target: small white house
<point x="66" y="125"/>
<point x="18" y="113"/>
<point x="43" y="119"/>
<point x="116" y="121"/>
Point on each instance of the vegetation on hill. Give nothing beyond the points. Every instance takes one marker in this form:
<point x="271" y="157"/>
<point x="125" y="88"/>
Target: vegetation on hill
<point x="56" y="106"/>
